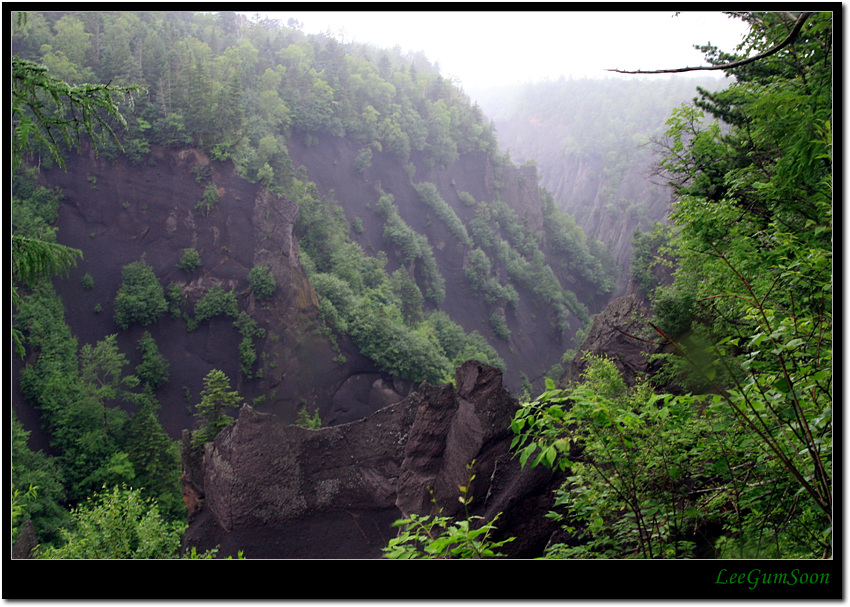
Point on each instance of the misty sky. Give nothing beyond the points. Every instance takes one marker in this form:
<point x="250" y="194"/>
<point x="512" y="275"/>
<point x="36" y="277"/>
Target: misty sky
<point x="490" y="48"/>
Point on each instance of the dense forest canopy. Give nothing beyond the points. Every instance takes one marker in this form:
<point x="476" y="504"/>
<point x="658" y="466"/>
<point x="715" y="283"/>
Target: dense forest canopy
<point x="727" y="451"/>
<point x="258" y="81"/>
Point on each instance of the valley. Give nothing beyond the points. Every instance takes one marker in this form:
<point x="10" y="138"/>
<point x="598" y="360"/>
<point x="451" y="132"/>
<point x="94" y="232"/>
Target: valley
<point x="307" y="297"/>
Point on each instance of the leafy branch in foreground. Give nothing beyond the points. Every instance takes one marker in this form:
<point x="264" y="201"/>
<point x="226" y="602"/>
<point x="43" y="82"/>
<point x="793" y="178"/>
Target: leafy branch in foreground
<point x="49" y="112"/>
<point x="633" y="458"/>
<point x="46" y="112"/>
<point x="782" y="383"/>
<point x="443" y="537"/>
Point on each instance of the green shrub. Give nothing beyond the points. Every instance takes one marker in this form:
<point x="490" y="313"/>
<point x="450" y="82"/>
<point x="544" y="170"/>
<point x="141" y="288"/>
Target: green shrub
<point x="414" y="246"/>
<point x="247" y="326"/>
<point x="336" y="299"/>
<point x="467" y="199"/>
<point x="140" y="299"/>
<point x="190" y="261"/>
<point x="262" y="282"/>
<point x="647" y="253"/>
<point x="363" y="160"/>
<point x="214" y="303"/>
<point x="430" y="196"/>
<point x="174" y="296"/>
<point x="500" y="326"/>
<point x="443" y="537"/>
<point x="210" y="199"/>
<point x="674" y="310"/>
<point x="87" y="282"/>
<point x="396" y="348"/>
<point x="482" y="233"/>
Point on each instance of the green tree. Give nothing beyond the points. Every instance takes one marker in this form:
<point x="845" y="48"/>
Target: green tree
<point x="215" y="302"/>
<point x="210" y="198"/>
<point x="305" y="420"/>
<point x="755" y="248"/>
<point x="102" y="370"/>
<point x="647" y="254"/>
<point x="634" y="458"/>
<point x="118" y="523"/>
<point x="153" y="370"/>
<point x="76" y="394"/>
<point x="229" y="111"/>
<point x="36" y="478"/>
<point x="140" y="298"/>
<point x="409" y="295"/>
<point x="216" y="398"/>
<point x="363" y="160"/>
<point x="71" y="39"/>
<point x="48" y="113"/>
<point x="155" y="458"/>
<point x="198" y="99"/>
<point x="190" y="260"/>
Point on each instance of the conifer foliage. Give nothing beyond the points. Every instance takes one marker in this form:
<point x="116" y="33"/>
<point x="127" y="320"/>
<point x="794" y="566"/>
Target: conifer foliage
<point x="749" y="321"/>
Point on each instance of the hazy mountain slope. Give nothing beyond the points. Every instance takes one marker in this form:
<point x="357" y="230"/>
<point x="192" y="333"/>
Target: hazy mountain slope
<point x="592" y="143"/>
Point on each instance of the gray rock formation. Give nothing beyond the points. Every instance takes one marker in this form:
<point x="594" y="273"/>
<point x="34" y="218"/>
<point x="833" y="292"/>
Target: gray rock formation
<point x="620" y="332"/>
<point x="26" y="543"/>
<point x="281" y="491"/>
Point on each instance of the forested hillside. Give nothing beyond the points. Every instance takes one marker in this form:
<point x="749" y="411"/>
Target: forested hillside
<point x="271" y="289"/>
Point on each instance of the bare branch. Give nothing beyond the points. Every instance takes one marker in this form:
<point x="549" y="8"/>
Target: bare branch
<point x="798" y="24"/>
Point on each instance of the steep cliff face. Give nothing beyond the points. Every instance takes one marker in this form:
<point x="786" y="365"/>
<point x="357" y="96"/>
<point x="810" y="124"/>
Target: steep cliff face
<point x="280" y="491"/>
<point x="534" y="345"/>
<point x="117" y="213"/>
<point x="607" y="204"/>
<point x="609" y="209"/>
<point x="266" y="486"/>
<point x="591" y="139"/>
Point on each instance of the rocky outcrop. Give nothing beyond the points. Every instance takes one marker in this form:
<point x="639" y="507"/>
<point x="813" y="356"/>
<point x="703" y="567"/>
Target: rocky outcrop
<point x="27" y="542"/>
<point x="620" y="332"/>
<point x="280" y="491"/>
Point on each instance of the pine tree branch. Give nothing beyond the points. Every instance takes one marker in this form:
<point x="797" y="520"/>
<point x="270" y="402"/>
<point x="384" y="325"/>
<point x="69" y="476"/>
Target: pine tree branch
<point x="798" y="24"/>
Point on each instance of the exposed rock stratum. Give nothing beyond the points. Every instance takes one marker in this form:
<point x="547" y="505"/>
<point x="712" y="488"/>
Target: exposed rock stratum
<point x="275" y="490"/>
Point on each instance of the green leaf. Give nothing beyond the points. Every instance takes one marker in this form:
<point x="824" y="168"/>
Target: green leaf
<point x="526" y="453"/>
